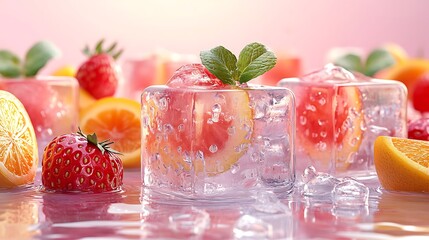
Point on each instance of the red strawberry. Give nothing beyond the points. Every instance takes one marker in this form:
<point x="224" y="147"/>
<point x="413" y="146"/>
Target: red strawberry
<point x="77" y="162"/>
<point x="98" y="75"/>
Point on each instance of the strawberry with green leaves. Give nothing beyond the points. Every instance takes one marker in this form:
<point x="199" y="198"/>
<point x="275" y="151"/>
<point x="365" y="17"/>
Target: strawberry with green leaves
<point x="79" y="163"/>
<point x="98" y="75"/>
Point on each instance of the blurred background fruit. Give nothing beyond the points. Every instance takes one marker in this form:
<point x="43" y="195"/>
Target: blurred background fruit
<point x="116" y="119"/>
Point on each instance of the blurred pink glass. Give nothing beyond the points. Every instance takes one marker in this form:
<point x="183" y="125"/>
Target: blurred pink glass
<point x="154" y="69"/>
<point x="51" y="103"/>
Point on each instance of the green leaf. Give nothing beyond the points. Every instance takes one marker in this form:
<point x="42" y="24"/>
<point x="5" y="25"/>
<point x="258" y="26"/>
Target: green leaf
<point x="258" y="66"/>
<point x="9" y="64"/>
<point x="221" y="63"/>
<point x="351" y="62"/>
<point x="99" y="47"/>
<point x="37" y="57"/>
<point x="377" y="60"/>
<point x="249" y="54"/>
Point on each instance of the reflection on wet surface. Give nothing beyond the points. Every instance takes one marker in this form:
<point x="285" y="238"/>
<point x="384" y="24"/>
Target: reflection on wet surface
<point x="31" y="214"/>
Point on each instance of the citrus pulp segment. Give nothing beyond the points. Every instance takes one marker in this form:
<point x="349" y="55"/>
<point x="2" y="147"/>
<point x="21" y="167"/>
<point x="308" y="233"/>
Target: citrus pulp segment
<point x="116" y="119"/>
<point x="18" y="146"/>
<point x="402" y="164"/>
<point x="328" y="125"/>
<point x="205" y="131"/>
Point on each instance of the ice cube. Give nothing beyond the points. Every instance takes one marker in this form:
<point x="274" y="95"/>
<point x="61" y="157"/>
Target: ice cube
<point x="309" y="173"/>
<point x="320" y="186"/>
<point x="194" y="75"/>
<point x="267" y="202"/>
<point x="332" y="73"/>
<point x="250" y="227"/>
<point x="189" y="220"/>
<point x="350" y="193"/>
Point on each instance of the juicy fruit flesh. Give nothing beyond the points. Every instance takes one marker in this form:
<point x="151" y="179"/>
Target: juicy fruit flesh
<point x="325" y="122"/>
<point x="120" y="131"/>
<point x="116" y="119"/>
<point x="18" y="151"/>
<point x="414" y="151"/>
<point x="211" y="143"/>
<point x="401" y="165"/>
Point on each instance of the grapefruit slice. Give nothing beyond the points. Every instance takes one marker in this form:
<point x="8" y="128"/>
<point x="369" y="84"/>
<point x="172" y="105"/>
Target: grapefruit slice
<point x="328" y="127"/>
<point x="203" y="131"/>
<point x="117" y="119"/>
<point x="18" y="146"/>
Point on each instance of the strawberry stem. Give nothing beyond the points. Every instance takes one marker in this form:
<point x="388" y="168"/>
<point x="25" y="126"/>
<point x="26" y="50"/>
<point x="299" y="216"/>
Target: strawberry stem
<point x="104" y="146"/>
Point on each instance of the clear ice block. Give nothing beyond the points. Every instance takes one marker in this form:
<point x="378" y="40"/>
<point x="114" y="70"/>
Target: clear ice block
<point x="338" y="116"/>
<point x="216" y="144"/>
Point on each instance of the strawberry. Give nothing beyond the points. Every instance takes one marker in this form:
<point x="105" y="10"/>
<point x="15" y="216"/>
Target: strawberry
<point x="98" y="75"/>
<point x="78" y="162"/>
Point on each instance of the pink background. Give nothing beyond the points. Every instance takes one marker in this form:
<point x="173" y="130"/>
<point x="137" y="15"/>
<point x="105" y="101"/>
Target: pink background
<point x="306" y="28"/>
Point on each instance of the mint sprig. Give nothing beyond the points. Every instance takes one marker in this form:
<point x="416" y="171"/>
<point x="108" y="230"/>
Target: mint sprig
<point x="253" y="61"/>
<point x="11" y="66"/>
<point x="377" y="60"/>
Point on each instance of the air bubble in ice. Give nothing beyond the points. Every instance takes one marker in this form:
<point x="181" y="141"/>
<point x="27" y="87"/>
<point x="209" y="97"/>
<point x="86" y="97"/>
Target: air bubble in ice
<point x="213" y="148"/>
<point x="320" y="186"/>
<point x="303" y="120"/>
<point x="216" y="109"/>
<point x="231" y="130"/>
<point x="163" y="103"/>
<point x="350" y="193"/>
<point x="235" y="168"/>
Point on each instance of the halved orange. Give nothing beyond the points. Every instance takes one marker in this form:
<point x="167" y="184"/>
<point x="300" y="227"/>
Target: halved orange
<point x="18" y="145"/>
<point x="328" y="125"/>
<point x="402" y="164"/>
<point x="206" y="132"/>
<point x="117" y="119"/>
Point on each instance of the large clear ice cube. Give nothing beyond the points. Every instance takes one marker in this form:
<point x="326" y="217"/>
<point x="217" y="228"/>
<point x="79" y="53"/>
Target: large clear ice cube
<point x="338" y="116"/>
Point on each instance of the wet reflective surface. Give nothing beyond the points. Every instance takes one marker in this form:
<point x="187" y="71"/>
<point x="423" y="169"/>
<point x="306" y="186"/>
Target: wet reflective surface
<point x="32" y="214"/>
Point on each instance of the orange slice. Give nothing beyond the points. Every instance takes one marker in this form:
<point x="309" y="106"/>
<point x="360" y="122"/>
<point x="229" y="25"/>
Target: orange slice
<point x="328" y="128"/>
<point x="203" y="131"/>
<point x="402" y="164"/>
<point x="117" y="119"/>
<point x="18" y="146"/>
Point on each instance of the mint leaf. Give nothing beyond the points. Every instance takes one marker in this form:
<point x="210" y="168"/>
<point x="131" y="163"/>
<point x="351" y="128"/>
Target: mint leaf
<point x="351" y="62"/>
<point x="377" y="60"/>
<point x="9" y="64"/>
<point x="249" y="54"/>
<point x="256" y="66"/>
<point x="37" y="57"/>
<point x="221" y="63"/>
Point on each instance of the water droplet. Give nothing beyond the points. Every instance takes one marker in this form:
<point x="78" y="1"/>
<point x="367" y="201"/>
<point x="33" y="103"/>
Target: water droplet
<point x="181" y="128"/>
<point x="310" y="107"/>
<point x="323" y="134"/>
<point x="200" y="155"/>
